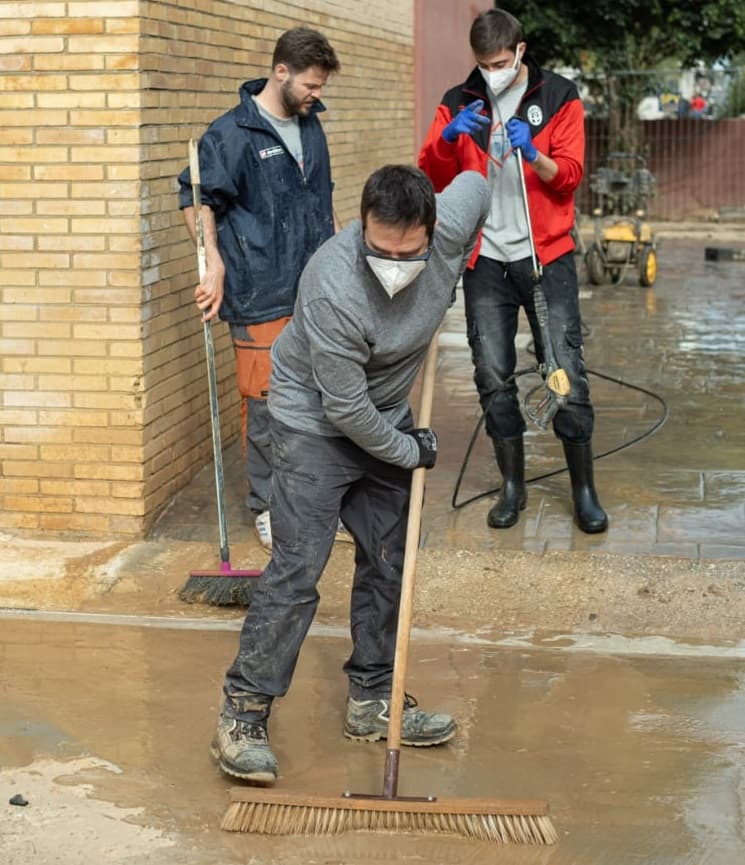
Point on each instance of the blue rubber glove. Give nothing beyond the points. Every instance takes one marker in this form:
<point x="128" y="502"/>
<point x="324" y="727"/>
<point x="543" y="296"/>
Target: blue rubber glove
<point x="520" y="138"/>
<point x="466" y="121"/>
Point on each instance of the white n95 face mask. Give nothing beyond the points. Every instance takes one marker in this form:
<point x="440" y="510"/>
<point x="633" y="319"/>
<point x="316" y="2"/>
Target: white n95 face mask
<point x="394" y="274"/>
<point x="500" y="79"/>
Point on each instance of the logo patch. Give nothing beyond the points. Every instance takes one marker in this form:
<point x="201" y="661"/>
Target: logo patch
<point x="277" y="150"/>
<point x="534" y="115"/>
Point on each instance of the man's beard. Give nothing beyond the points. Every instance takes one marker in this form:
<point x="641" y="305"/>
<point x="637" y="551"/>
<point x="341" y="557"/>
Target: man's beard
<point x="291" y="104"/>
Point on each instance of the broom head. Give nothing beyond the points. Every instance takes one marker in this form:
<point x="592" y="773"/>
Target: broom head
<point x="224" y="588"/>
<point x="503" y="821"/>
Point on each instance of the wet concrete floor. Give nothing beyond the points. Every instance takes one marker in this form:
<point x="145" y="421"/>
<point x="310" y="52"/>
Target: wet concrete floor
<point x="679" y="492"/>
<point x="104" y="732"/>
<point x="542" y="641"/>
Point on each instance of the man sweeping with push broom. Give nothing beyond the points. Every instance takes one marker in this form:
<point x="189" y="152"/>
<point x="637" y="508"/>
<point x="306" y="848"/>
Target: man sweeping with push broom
<point x="344" y="445"/>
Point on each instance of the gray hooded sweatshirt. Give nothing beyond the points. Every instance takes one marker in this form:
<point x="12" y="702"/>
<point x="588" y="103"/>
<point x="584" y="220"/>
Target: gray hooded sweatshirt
<point x="346" y="363"/>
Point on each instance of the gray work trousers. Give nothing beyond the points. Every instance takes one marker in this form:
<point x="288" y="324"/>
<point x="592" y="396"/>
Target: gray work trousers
<point x="258" y="455"/>
<point x="252" y="344"/>
<point x="316" y="480"/>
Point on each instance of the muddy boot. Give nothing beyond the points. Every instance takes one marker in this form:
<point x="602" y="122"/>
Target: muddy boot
<point x="513" y="495"/>
<point x="242" y="750"/>
<point x="588" y="513"/>
<point x="367" y="721"/>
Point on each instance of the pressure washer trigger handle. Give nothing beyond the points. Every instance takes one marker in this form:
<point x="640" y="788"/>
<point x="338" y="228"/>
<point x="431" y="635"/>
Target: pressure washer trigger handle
<point x="545" y="410"/>
<point x="558" y="382"/>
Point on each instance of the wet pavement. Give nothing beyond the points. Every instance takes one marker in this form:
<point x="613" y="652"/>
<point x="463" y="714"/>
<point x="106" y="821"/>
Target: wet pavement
<point x="641" y="757"/>
<point x="546" y="644"/>
<point x="679" y="492"/>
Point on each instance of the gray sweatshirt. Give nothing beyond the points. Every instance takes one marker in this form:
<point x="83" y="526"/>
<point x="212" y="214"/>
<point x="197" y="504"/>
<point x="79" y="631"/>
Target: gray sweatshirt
<point x="345" y="364"/>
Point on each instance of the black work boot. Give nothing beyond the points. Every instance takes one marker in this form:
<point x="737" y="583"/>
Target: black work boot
<point x="588" y="513"/>
<point x="241" y="745"/>
<point x="513" y="495"/>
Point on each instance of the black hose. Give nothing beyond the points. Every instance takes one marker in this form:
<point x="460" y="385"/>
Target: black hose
<point x="651" y="431"/>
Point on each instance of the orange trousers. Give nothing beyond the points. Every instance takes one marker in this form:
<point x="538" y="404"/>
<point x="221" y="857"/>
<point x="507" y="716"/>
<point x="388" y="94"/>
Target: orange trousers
<point x="253" y="361"/>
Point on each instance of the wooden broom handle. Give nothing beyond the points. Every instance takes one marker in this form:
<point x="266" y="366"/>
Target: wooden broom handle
<point x="408" y="581"/>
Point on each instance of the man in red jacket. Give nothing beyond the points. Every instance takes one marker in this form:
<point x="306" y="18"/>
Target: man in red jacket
<point x="509" y="103"/>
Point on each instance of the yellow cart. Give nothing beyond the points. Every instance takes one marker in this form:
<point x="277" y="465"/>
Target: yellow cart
<point x="623" y="238"/>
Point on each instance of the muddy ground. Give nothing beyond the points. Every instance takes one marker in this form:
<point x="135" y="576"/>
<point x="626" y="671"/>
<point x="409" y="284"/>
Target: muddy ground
<point x="603" y="673"/>
<point x="466" y="590"/>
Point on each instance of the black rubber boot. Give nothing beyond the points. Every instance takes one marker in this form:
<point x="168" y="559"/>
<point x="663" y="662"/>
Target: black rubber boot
<point x="513" y="495"/>
<point x="588" y="513"/>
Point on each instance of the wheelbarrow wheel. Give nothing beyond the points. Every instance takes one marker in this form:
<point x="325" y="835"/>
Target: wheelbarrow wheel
<point x="594" y="265"/>
<point x="647" y="266"/>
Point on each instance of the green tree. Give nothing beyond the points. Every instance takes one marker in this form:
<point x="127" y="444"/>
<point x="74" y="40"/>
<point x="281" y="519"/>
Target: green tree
<point x="736" y="94"/>
<point x="620" y="41"/>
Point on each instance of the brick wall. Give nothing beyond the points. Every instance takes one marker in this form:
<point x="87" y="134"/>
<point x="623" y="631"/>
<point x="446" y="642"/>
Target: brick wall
<point x="72" y="433"/>
<point x="104" y="409"/>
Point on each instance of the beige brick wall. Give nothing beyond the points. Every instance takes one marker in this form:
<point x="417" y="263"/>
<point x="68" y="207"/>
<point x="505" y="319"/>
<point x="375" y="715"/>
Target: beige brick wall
<point x="104" y="411"/>
<point x="70" y="273"/>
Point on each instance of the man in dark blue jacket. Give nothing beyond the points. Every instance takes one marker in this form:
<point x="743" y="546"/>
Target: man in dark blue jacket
<point x="266" y="207"/>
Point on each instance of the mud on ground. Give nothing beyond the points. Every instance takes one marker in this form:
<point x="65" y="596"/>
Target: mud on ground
<point x="466" y="590"/>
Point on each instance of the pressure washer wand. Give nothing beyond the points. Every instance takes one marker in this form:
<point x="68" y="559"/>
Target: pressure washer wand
<point x="556" y="380"/>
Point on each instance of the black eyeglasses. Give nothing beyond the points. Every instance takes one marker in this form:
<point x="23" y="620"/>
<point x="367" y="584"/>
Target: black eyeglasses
<point x="424" y="256"/>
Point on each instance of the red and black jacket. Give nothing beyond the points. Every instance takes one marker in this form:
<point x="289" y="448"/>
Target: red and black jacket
<point x="552" y="108"/>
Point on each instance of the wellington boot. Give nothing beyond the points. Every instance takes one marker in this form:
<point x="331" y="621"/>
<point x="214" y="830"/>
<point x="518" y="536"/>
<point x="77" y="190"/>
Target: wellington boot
<point x="513" y="496"/>
<point x="588" y="514"/>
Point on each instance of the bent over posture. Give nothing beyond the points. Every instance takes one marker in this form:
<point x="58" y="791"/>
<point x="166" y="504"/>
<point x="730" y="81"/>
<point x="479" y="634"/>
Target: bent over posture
<point x="370" y="301"/>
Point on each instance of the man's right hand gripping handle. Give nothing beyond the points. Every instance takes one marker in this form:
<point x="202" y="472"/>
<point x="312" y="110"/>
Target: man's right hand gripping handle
<point x="426" y="441"/>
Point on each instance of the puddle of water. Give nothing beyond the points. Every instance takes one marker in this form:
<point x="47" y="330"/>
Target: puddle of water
<point x="62" y="817"/>
<point x="638" y="756"/>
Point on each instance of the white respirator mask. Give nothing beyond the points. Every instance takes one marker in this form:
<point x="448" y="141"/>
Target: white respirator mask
<point x="394" y="274"/>
<point x="500" y="79"/>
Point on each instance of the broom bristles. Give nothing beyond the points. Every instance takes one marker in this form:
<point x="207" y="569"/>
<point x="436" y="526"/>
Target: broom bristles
<point x="220" y="589"/>
<point x="270" y="813"/>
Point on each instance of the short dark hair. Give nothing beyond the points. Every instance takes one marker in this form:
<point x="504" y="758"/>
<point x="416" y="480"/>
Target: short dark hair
<point x="495" y="30"/>
<point x="301" y="48"/>
<point x="400" y="195"/>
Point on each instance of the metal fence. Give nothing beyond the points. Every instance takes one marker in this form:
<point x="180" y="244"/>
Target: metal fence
<point x="687" y="125"/>
<point x="699" y="165"/>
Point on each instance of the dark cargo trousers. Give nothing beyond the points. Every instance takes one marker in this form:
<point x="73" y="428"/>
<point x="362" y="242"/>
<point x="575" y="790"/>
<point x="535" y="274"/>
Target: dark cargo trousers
<point x="315" y="480"/>
<point x="493" y="292"/>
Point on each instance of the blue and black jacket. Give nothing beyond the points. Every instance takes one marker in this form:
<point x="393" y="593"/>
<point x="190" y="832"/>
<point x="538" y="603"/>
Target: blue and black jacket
<point x="270" y="216"/>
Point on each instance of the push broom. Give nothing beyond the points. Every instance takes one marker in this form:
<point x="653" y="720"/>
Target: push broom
<point x="226" y="586"/>
<point x="273" y="812"/>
